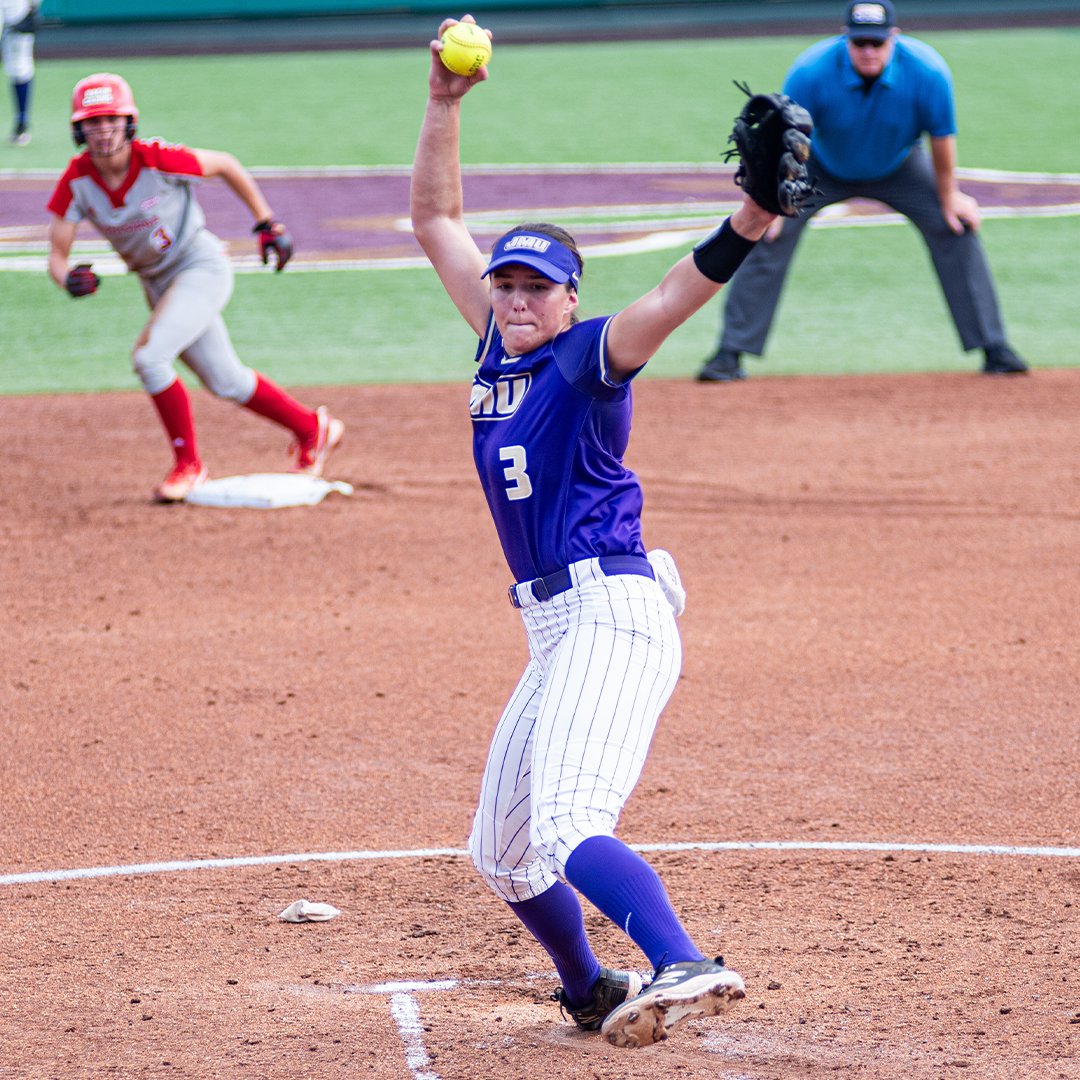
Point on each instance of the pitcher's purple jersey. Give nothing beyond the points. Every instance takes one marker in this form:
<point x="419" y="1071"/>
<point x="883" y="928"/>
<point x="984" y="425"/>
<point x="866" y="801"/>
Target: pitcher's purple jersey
<point x="549" y="433"/>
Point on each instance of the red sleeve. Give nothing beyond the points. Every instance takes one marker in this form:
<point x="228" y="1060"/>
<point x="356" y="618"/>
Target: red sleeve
<point x="61" y="197"/>
<point x="167" y="157"/>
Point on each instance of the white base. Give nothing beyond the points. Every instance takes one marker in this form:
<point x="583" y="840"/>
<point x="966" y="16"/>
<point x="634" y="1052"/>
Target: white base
<point x="266" y="491"/>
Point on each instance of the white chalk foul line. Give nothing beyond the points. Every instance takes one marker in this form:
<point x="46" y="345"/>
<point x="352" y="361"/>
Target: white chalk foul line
<point x="855" y="846"/>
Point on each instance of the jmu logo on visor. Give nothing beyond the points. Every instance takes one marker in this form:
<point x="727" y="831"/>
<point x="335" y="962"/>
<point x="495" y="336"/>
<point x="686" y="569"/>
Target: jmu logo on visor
<point x="498" y="401"/>
<point x="530" y="243"/>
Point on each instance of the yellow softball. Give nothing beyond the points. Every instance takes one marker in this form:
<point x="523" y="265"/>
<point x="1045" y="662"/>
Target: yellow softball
<point x="466" y="48"/>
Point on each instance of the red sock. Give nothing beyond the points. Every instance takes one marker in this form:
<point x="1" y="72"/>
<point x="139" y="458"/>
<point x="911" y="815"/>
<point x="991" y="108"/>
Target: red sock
<point x="271" y="401"/>
<point x="174" y="407"/>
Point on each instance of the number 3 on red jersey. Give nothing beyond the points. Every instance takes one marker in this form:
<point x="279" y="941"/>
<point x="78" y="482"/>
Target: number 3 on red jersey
<point x="161" y="238"/>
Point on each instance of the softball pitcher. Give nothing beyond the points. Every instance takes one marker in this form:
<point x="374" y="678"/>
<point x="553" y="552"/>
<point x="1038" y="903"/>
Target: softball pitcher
<point x="551" y="411"/>
<point x="140" y="196"/>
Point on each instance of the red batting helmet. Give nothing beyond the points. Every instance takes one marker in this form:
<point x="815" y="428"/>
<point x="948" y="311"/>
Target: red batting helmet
<point x="103" y="94"/>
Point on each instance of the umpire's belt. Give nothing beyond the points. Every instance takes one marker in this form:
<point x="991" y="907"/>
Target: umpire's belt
<point x="544" y="588"/>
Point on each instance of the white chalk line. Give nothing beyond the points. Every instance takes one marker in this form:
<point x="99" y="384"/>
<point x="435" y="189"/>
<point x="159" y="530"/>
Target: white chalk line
<point x="406" y="987"/>
<point x="405" y="1010"/>
<point x="406" y="1013"/>
<point x="565" y="169"/>
<point x="853" y="846"/>
<point x="227" y="863"/>
<point x="415" y="986"/>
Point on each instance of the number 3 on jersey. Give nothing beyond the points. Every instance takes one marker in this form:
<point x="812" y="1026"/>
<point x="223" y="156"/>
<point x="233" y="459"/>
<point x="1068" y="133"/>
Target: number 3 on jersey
<point x="518" y="484"/>
<point x="161" y="238"/>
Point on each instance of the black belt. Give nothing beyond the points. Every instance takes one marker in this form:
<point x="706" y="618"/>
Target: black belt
<point x="544" y="588"/>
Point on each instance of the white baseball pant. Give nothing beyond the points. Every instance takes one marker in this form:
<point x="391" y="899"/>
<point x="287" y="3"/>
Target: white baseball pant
<point x="187" y="301"/>
<point x="604" y="658"/>
<point x="17" y="51"/>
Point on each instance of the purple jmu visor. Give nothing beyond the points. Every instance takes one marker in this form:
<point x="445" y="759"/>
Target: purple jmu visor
<point x="552" y="259"/>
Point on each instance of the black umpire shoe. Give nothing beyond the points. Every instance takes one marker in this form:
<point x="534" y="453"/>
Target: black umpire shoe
<point x="1001" y="360"/>
<point x="724" y="366"/>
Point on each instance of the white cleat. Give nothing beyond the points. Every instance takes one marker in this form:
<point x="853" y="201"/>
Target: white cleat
<point x="679" y="992"/>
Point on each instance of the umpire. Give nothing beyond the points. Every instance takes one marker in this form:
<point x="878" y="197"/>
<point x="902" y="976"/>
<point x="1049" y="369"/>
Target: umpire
<point x="873" y="94"/>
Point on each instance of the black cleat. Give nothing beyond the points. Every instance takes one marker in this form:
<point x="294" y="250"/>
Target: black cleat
<point x="608" y="992"/>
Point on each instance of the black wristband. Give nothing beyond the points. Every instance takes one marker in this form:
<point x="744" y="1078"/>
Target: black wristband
<point x="262" y="226"/>
<point x="721" y="253"/>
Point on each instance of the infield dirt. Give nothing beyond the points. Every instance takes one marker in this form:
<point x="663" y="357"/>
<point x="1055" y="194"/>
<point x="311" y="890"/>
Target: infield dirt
<point x="880" y="646"/>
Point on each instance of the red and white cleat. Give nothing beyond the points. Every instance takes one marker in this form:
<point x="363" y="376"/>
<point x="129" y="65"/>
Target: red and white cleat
<point x="180" y="483"/>
<point x="311" y="455"/>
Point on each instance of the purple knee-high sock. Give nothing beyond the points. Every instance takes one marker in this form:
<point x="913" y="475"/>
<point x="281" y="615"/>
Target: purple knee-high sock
<point x="628" y="891"/>
<point x="554" y="919"/>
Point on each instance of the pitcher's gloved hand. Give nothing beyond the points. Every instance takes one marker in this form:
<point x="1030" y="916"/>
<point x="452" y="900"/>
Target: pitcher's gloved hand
<point x="772" y="141"/>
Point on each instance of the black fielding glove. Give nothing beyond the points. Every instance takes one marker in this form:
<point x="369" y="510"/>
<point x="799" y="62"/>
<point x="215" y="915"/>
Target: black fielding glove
<point x="772" y="142"/>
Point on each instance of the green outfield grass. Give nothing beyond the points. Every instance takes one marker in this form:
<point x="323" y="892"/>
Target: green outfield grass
<point x="611" y="102"/>
<point x="858" y="300"/>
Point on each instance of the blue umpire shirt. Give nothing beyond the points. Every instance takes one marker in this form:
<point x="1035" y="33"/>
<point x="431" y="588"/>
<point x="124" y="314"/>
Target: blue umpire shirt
<point x="865" y="134"/>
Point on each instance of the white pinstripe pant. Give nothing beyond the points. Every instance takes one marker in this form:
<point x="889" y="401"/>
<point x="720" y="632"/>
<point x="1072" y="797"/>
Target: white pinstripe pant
<point x="604" y="658"/>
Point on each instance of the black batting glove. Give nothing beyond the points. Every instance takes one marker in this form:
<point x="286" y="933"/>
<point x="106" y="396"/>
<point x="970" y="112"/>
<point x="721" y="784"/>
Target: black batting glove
<point x="81" y="280"/>
<point x="274" y="237"/>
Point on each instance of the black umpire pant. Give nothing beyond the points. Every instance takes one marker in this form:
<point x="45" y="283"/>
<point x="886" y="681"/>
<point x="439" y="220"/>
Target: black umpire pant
<point x="960" y="261"/>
